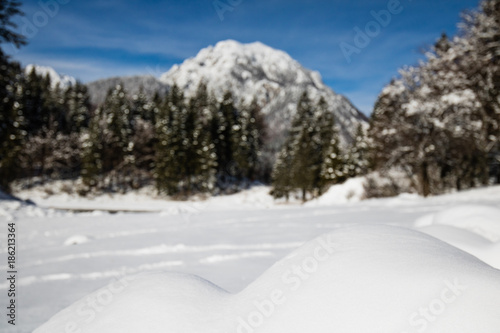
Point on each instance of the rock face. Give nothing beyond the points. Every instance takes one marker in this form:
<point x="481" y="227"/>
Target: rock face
<point x="272" y="76"/>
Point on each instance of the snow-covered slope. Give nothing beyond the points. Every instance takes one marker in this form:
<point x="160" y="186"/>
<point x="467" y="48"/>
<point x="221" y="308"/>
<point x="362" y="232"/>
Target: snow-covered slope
<point x="277" y="80"/>
<point x="64" y="81"/>
<point x="356" y="279"/>
<point x="132" y="84"/>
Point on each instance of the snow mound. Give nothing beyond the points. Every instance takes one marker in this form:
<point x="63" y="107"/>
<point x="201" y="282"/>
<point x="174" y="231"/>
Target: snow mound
<point x="474" y="229"/>
<point x="351" y="191"/>
<point x="480" y="220"/>
<point x="363" y="279"/>
<point x="76" y="240"/>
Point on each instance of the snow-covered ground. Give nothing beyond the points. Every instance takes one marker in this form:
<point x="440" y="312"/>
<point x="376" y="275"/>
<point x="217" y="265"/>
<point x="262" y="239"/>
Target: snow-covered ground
<point x="382" y="274"/>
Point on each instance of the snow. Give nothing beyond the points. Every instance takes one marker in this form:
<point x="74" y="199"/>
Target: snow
<point x="383" y="274"/>
<point x="464" y="97"/>
<point x="350" y="191"/>
<point x="391" y="259"/>
<point x="472" y="228"/>
<point x="475" y="219"/>
<point x="76" y="240"/>
<point x="64" y="81"/>
<point x="56" y="195"/>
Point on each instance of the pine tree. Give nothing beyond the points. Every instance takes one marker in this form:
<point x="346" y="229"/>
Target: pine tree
<point x="332" y="164"/>
<point x="9" y="9"/>
<point x="300" y="156"/>
<point x="108" y="145"/>
<point x="92" y="151"/>
<point x="224" y="128"/>
<point x="116" y="111"/>
<point x="12" y="121"/>
<point x="357" y="156"/>
<point x="77" y="105"/>
<point x="249" y="134"/>
<point x="170" y="156"/>
<point x="12" y="116"/>
<point x="40" y="124"/>
<point x="201" y="156"/>
<point x="307" y="158"/>
<point x="143" y="134"/>
<point x="282" y="181"/>
<point x="36" y="115"/>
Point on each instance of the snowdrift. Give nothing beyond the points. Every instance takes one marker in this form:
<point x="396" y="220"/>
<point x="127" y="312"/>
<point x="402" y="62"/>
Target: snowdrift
<point x="363" y="278"/>
<point x="472" y="228"/>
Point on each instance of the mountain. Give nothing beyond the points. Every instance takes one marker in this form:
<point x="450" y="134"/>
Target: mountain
<point x="272" y="76"/>
<point x="132" y="84"/>
<point x="64" y="81"/>
<point x="247" y="70"/>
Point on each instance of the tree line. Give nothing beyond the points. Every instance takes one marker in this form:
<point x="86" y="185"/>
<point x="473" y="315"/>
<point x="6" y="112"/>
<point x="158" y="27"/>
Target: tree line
<point x="183" y="146"/>
<point x="438" y="123"/>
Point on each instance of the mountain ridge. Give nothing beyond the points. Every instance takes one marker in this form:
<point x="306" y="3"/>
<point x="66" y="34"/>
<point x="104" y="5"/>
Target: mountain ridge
<point x="247" y="71"/>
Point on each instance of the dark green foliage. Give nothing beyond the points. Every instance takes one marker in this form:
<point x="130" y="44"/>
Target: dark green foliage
<point x="332" y="162"/>
<point x="92" y="151"/>
<point x="247" y="149"/>
<point x="12" y="121"/>
<point x="9" y="9"/>
<point x="307" y="161"/>
<point x="282" y="179"/>
<point x="223" y="129"/>
<point x="201" y="156"/>
<point x="73" y="108"/>
<point x="169" y="153"/>
<point x="310" y="160"/>
<point x="357" y="159"/>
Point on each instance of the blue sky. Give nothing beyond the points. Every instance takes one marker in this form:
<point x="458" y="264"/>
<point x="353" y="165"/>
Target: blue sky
<point x="95" y="39"/>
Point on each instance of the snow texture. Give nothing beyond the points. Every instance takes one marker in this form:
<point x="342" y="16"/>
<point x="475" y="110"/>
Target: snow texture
<point x="382" y="273"/>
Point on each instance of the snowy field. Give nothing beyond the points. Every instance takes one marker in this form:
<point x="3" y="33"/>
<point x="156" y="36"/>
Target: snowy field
<point x="377" y="278"/>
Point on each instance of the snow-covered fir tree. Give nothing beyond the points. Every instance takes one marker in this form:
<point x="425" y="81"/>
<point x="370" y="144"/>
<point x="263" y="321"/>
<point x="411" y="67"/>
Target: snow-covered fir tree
<point x="168" y="152"/>
<point x="224" y="129"/>
<point x="357" y="157"/>
<point x="308" y="159"/>
<point x="332" y="169"/>
<point x="201" y="156"/>
<point x="249" y="133"/>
